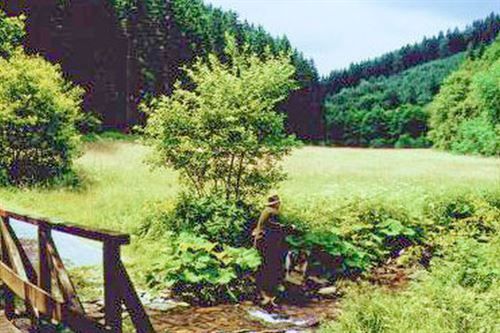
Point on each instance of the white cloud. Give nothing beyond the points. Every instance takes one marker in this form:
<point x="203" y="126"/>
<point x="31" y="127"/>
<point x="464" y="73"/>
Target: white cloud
<point x="336" y="33"/>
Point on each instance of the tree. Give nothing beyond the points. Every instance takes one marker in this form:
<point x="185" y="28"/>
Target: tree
<point x="225" y="135"/>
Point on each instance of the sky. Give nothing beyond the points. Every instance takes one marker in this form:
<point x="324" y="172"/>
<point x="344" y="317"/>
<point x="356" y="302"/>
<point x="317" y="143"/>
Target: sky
<point x="335" y="33"/>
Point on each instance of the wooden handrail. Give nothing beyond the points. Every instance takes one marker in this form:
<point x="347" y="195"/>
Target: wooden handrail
<point x="100" y="235"/>
<point x="35" y="286"/>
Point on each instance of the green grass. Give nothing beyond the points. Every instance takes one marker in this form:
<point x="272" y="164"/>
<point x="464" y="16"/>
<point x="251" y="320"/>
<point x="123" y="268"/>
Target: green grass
<point x="407" y="176"/>
<point x="117" y="183"/>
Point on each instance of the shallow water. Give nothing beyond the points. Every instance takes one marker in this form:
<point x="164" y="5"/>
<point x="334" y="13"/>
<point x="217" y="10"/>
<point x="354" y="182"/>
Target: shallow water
<point x="75" y="251"/>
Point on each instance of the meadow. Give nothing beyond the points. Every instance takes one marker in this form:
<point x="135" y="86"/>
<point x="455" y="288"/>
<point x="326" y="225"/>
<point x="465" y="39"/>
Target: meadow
<point x="117" y="184"/>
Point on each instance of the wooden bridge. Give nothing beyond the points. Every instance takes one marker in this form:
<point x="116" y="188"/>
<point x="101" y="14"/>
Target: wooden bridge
<point x="47" y="291"/>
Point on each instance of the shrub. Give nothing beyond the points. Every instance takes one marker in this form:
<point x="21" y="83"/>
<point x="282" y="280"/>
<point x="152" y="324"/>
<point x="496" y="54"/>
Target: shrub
<point x="407" y="141"/>
<point x="38" y="109"/>
<point x="477" y="136"/>
<point x="204" y="272"/>
<point x="216" y="218"/>
<point x="88" y="123"/>
<point x="356" y="237"/>
<point x="466" y="215"/>
<point x="225" y="133"/>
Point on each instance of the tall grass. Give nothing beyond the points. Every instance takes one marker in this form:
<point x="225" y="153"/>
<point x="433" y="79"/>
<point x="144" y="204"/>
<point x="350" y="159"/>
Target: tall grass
<point x="116" y="184"/>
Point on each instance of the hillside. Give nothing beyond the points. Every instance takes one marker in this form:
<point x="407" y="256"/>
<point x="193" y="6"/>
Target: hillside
<point x="347" y="112"/>
<point x="480" y="32"/>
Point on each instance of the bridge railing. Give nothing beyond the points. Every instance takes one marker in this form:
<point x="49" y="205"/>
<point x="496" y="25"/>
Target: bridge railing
<point x="36" y="286"/>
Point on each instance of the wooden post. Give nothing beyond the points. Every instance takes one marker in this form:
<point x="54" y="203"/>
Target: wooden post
<point x="44" y="271"/>
<point x="112" y="297"/>
<point x="10" y="309"/>
<point x="44" y="276"/>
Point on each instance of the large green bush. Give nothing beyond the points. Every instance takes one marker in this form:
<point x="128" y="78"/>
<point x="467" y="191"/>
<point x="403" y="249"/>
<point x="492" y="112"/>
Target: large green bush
<point x="225" y="134"/>
<point x="465" y="115"/>
<point x="38" y="108"/>
<point x="201" y="271"/>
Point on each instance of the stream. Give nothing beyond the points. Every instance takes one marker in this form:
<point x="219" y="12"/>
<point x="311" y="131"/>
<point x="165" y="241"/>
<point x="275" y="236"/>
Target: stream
<point x="74" y="251"/>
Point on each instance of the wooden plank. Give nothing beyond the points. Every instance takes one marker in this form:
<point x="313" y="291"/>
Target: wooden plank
<point x="7" y="293"/>
<point x="101" y="235"/>
<point x="46" y="304"/>
<point x="6" y="326"/>
<point x="26" y="290"/>
<point x="67" y="288"/>
<point x="11" y="251"/>
<point x="132" y="301"/>
<point x="20" y="262"/>
<point x="112" y="297"/>
<point x="17" y="251"/>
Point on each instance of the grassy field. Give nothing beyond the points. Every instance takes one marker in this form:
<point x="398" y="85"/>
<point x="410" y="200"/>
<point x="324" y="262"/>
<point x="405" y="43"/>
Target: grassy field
<point x="117" y="183"/>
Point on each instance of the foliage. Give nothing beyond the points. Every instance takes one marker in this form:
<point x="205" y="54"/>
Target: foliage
<point x="88" y="123"/>
<point x="477" y="136"/>
<point x="191" y="30"/>
<point x="201" y="271"/>
<point x="461" y="216"/>
<point x="357" y="237"/>
<point x="206" y="27"/>
<point x="38" y="109"/>
<point x="465" y="114"/>
<point x="11" y="34"/>
<point x="225" y="134"/>
<point x="459" y="294"/>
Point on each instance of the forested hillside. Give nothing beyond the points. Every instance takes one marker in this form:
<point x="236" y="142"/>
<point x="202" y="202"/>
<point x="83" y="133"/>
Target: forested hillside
<point x="381" y="102"/>
<point x="438" y="47"/>
<point x="180" y="30"/>
<point x="465" y="115"/>
<point x="385" y="111"/>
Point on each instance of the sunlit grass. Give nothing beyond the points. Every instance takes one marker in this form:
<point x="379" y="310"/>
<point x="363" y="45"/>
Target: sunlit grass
<point x="406" y="176"/>
<point x="116" y="186"/>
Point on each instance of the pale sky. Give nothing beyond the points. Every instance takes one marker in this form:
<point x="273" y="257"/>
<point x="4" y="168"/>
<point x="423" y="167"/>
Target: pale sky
<point x="335" y="33"/>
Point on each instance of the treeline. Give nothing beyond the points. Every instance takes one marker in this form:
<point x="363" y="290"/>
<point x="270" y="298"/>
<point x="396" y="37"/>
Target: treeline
<point x="387" y="111"/>
<point x="167" y="35"/>
<point x="438" y="47"/>
<point x="465" y="115"/>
